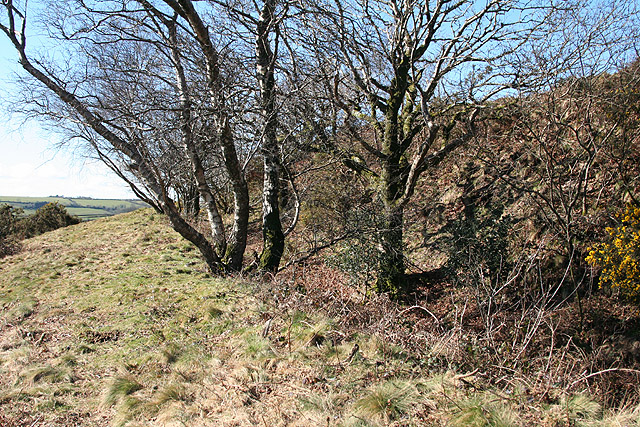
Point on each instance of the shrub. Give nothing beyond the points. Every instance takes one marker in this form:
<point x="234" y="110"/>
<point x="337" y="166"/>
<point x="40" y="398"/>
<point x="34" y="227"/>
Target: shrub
<point x="9" y="218"/>
<point x="9" y="223"/>
<point x="49" y="217"/>
<point x="14" y="226"/>
<point x="359" y="255"/>
<point x="477" y="245"/>
<point x="618" y="258"/>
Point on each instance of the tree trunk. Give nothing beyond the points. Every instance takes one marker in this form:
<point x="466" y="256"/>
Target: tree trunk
<point x="238" y="238"/>
<point x="272" y="235"/>
<point x="391" y="266"/>
<point x="393" y="177"/>
<point x="191" y="234"/>
<point x="391" y="278"/>
<point x="188" y="144"/>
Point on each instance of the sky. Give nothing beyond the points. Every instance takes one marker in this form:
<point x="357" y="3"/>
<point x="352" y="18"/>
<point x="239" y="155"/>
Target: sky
<point x="30" y="165"/>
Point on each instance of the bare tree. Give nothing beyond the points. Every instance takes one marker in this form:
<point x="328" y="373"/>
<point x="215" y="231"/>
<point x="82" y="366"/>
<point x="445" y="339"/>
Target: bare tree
<point x="190" y="68"/>
<point x="410" y="78"/>
<point x="255" y="27"/>
<point x="134" y="91"/>
<point x="566" y="129"/>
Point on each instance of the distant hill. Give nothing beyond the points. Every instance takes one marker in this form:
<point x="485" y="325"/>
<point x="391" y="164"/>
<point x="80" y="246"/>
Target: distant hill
<point x="85" y="208"/>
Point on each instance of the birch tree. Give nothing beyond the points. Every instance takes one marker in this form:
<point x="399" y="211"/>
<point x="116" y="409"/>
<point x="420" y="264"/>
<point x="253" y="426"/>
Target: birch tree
<point x="136" y="89"/>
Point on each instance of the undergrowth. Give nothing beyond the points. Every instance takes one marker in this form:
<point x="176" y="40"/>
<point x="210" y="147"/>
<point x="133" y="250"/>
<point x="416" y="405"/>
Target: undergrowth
<point x="133" y="331"/>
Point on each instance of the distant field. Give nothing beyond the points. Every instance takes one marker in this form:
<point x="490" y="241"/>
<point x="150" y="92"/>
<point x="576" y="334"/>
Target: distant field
<point x="84" y="208"/>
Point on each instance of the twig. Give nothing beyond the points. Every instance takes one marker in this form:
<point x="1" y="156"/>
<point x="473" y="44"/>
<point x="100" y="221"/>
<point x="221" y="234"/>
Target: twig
<point x="354" y="351"/>
<point x="467" y="375"/>
<point x="37" y="419"/>
<point x="289" y="335"/>
<point x="40" y="340"/>
<point x="421" y="308"/>
<point x="267" y="328"/>
<point x="603" y="372"/>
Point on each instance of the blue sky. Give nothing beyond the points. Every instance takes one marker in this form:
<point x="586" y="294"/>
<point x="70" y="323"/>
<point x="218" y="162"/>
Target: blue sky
<point x="29" y="163"/>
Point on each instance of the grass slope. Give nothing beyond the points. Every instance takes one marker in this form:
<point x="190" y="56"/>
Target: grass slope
<point x="116" y="322"/>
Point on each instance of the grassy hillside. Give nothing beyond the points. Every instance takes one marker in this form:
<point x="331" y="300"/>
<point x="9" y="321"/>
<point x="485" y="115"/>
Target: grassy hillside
<point x="116" y="322"/>
<point x="81" y="207"/>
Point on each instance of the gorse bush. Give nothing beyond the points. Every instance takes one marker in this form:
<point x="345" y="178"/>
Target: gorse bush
<point x="9" y="219"/>
<point x="14" y="226"/>
<point x="49" y="217"/>
<point x="619" y="258"/>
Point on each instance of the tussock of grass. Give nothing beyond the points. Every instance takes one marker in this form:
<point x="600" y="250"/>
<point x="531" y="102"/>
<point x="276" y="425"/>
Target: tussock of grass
<point x="315" y="334"/>
<point x="170" y="353"/>
<point x="52" y="374"/>
<point x="85" y="349"/>
<point x="214" y="312"/>
<point x="172" y="393"/>
<point x="176" y="415"/>
<point x="52" y="404"/>
<point x="388" y="401"/>
<point x="21" y="311"/>
<point x="325" y="405"/>
<point x="68" y="360"/>
<point x="439" y="384"/>
<point x="619" y="419"/>
<point x="16" y="353"/>
<point x="128" y="409"/>
<point x="574" y="409"/>
<point x="256" y="346"/>
<point x="483" y="411"/>
<point x="582" y="406"/>
<point x="118" y="389"/>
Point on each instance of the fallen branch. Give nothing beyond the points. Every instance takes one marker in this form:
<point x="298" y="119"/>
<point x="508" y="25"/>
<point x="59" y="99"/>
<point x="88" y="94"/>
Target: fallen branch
<point x="635" y="371"/>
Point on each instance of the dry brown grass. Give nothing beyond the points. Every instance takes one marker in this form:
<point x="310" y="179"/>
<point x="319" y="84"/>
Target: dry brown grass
<point x="132" y="331"/>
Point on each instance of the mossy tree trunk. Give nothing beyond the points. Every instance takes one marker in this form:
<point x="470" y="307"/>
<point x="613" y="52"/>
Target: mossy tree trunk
<point x="272" y="235"/>
<point x="391" y="263"/>
<point x="403" y="89"/>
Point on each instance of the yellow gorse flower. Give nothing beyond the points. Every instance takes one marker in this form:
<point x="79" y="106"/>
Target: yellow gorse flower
<point x="619" y="259"/>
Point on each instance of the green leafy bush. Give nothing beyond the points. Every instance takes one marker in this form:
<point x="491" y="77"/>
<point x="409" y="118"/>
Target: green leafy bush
<point x="478" y="245"/>
<point x="359" y="255"/>
<point x="619" y="258"/>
